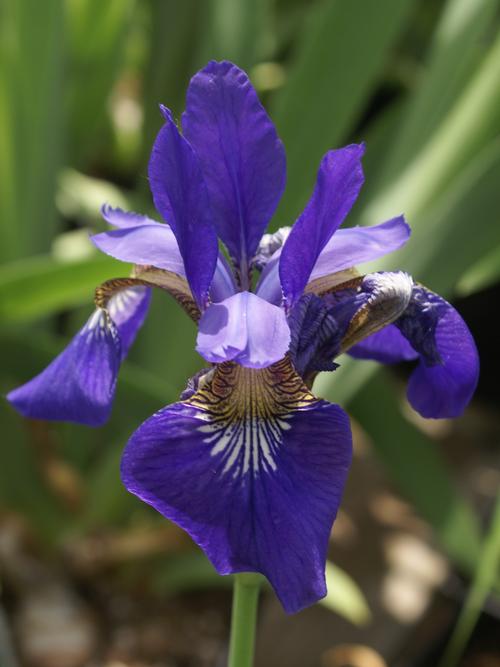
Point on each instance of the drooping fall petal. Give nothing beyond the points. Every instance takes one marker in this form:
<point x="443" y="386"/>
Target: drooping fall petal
<point x="253" y="468"/>
<point x="79" y="384"/>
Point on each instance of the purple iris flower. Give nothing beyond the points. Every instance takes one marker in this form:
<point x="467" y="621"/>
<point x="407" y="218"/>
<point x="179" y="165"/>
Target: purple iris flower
<point x="249" y="462"/>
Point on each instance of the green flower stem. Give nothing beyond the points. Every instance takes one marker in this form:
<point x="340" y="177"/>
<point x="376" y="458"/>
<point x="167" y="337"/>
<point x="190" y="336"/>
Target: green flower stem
<point x="243" y="619"/>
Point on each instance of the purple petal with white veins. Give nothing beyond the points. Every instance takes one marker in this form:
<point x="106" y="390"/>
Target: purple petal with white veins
<point x="242" y="158"/>
<point x="79" y="384"/>
<point x="339" y="181"/>
<point x="356" y="245"/>
<point x="243" y="328"/>
<point x="387" y="346"/>
<point x="128" y="309"/>
<point x="124" y="219"/>
<point x="253" y="468"/>
<point x="181" y="197"/>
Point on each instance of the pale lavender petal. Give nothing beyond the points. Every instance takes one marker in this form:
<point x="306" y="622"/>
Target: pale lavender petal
<point x="124" y="219"/>
<point x="223" y="283"/>
<point x="269" y="284"/>
<point x="387" y="346"/>
<point x="128" y="309"/>
<point x="356" y="245"/>
<point x="180" y="195"/>
<point x="153" y="245"/>
<point x="243" y="328"/>
<point x="242" y="158"/>
<point x="339" y="181"/>
<point x="79" y="384"/>
<point x="346" y="248"/>
<point x="258" y="488"/>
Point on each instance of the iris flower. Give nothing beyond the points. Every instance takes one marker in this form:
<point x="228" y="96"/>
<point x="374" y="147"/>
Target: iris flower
<point x="249" y="462"/>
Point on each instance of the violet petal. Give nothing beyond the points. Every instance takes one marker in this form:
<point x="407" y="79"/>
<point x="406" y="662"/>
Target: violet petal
<point x="356" y="245"/>
<point x="243" y="328"/>
<point x="117" y="217"/>
<point x="79" y="384"/>
<point x="339" y="181"/>
<point x="387" y="346"/>
<point x="242" y="158"/>
<point x="256" y="491"/>
<point x="445" y="379"/>
<point x="128" y="309"/>
<point x="155" y="245"/>
<point x="180" y="195"/>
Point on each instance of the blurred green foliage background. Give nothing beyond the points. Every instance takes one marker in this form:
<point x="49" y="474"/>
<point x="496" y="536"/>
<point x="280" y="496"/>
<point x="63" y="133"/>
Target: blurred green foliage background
<point x="80" y="83"/>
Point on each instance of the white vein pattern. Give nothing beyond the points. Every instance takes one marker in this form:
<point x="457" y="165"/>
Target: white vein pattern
<point x="251" y="443"/>
<point x="123" y="303"/>
<point x="98" y="325"/>
<point x="246" y="413"/>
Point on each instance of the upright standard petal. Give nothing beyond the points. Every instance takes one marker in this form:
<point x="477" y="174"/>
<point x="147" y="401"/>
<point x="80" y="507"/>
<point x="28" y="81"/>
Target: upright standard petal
<point x="78" y="386"/>
<point x="253" y="468"/>
<point x="243" y="328"/>
<point x="339" y="181"/>
<point x="242" y="158"/>
<point x="180" y="195"/>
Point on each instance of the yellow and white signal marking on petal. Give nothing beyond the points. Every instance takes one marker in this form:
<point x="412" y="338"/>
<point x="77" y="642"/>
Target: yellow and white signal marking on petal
<point x="146" y="276"/>
<point x="124" y="302"/>
<point x="246" y="411"/>
<point x="98" y="326"/>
